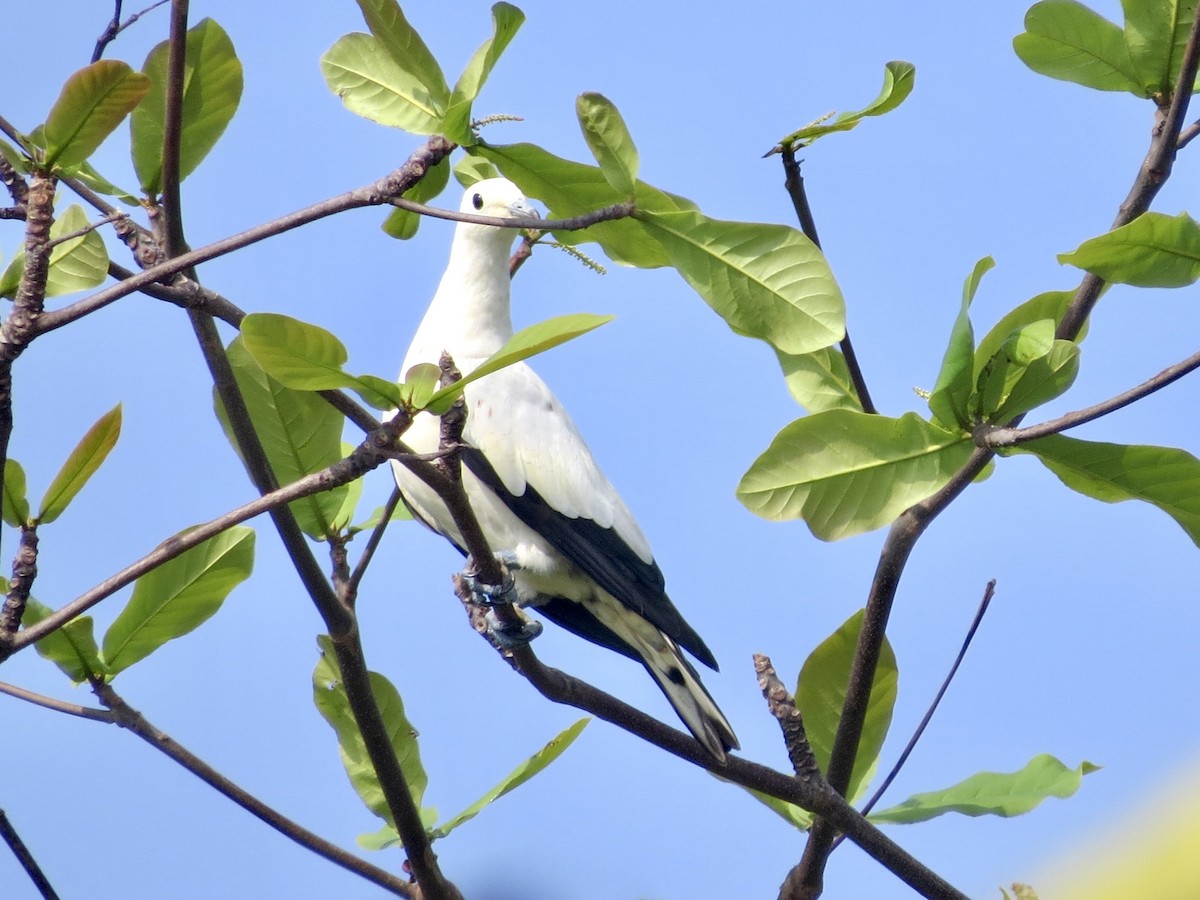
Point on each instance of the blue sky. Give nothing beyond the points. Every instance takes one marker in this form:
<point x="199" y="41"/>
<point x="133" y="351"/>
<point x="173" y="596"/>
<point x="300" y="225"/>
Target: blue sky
<point x="1085" y="653"/>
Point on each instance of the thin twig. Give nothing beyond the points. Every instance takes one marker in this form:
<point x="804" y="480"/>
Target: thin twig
<point x="783" y="706"/>
<point x="133" y="721"/>
<point x="575" y="223"/>
<point x="116" y="26"/>
<point x="53" y="703"/>
<point x="1187" y="135"/>
<point x="1008" y="437"/>
<point x="25" y="858"/>
<point x="373" y="541"/>
<point x="86" y="229"/>
<point x="794" y="183"/>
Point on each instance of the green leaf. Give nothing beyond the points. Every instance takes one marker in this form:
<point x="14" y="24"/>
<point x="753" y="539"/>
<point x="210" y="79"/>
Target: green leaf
<point x="471" y="169"/>
<point x="1064" y="39"/>
<point x="506" y="20"/>
<point x="1031" y="368"/>
<point x="403" y="223"/>
<point x="300" y="434"/>
<point x="81" y="465"/>
<point x="899" y="77"/>
<point x="178" y="597"/>
<point x="86" y="173"/>
<point x="1049" y="305"/>
<point x="846" y="472"/>
<point x="299" y="355"/>
<point x="993" y="793"/>
<point x="329" y="695"/>
<point x="820" y="380"/>
<point x="821" y="693"/>
<point x="1156" y="34"/>
<point x="766" y="281"/>
<point x="517" y="777"/>
<point x="378" y="392"/>
<point x="212" y="89"/>
<point x="72" y="648"/>
<point x="525" y="343"/>
<point x="570" y="189"/>
<point x="789" y="812"/>
<point x="952" y="392"/>
<point x="386" y="21"/>
<point x="16" y="503"/>
<point x="1167" y="477"/>
<point x="1154" y="250"/>
<point x="609" y="140"/>
<point x="371" y="83"/>
<point x="420" y="384"/>
<point x="75" y="265"/>
<point x="92" y="104"/>
<point x="399" y="514"/>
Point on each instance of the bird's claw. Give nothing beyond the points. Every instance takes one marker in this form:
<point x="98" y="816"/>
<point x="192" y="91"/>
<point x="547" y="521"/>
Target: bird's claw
<point x="511" y="635"/>
<point x="501" y="594"/>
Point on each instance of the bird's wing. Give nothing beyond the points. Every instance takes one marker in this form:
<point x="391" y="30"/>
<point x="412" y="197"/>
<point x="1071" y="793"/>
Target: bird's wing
<point x="524" y="447"/>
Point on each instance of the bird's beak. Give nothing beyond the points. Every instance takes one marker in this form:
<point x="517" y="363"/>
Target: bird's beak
<point x="522" y="210"/>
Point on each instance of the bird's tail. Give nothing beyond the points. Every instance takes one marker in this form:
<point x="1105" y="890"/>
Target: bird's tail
<point x="684" y="690"/>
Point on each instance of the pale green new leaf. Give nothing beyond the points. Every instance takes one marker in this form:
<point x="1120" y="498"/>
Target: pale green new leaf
<point x="993" y="793"/>
<point x="525" y="343"/>
<point x="1002" y="372"/>
<point x="821" y="694"/>
<point x="1167" y="477"/>
<point x="371" y="83"/>
<point x="386" y="21"/>
<point x="75" y="265"/>
<point x="1049" y="305"/>
<point x="1066" y="40"/>
<point x="471" y="169"/>
<point x="820" y="380"/>
<point x="609" y="140"/>
<point x="1156" y="34"/>
<point x="1041" y="381"/>
<point x="506" y="20"/>
<point x="403" y="223"/>
<point x="92" y="449"/>
<point x="571" y="189"/>
<point x="72" y="648"/>
<point x="212" y="89"/>
<point x="1154" y="250"/>
<point x="766" y="281"/>
<point x="92" y="104"/>
<point x="419" y="386"/>
<point x="300" y="433"/>
<point x="329" y="695"/>
<point x="178" y="597"/>
<point x="845" y="472"/>
<point x="299" y="355"/>
<point x="951" y="395"/>
<point x="399" y="514"/>
<point x="86" y="173"/>
<point x="16" y="503"/>
<point x="517" y="777"/>
<point x="789" y="812"/>
<point x="899" y="77"/>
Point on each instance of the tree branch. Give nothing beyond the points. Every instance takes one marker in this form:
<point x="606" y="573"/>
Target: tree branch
<point x="575" y="223"/>
<point x="1008" y="437"/>
<point x="53" y="703"/>
<point x="783" y="706"/>
<point x="24" y="571"/>
<point x="25" y="858"/>
<point x="794" y="183"/>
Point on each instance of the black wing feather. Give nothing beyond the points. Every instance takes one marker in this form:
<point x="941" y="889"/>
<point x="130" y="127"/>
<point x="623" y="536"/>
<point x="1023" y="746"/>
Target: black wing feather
<point x="603" y="556"/>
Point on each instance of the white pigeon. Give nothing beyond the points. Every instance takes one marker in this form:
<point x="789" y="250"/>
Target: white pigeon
<point x="574" y="550"/>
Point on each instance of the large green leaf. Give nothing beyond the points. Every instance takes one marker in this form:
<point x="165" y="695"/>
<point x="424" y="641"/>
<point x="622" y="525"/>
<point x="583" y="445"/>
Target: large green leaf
<point x="766" y="281"/>
<point x="1064" y="39"/>
<point x="212" y="88"/>
<point x="821" y="694"/>
<point x="16" y="501"/>
<point x="92" y="104"/>
<point x="1167" y="477"/>
<point x="1156" y="34"/>
<point x="178" y="597"/>
<point x="1154" y="250"/>
<point x="571" y="189"/>
<point x="845" y="472"/>
<point x="506" y="21"/>
<point x="525" y="343"/>
<point x="609" y="140"/>
<point x="951" y="395"/>
<point x="92" y="449"/>
<point x="899" y="77"/>
<point x="72" y="648"/>
<point x="387" y="22"/>
<point x="820" y="380"/>
<point x="329" y="695"/>
<point x="993" y="793"/>
<point x="76" y="264"/>
<point x="300" y="434"/>
<point x="371" y="83"/>
<point x="1049" y="305"/>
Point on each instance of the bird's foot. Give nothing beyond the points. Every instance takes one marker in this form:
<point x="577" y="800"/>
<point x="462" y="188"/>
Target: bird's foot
<point x="511" y="635"/>
<point x="507" y="634"/>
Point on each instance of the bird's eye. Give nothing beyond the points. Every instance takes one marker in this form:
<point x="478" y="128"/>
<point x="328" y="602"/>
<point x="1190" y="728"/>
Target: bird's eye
<point x="477" y="201"/>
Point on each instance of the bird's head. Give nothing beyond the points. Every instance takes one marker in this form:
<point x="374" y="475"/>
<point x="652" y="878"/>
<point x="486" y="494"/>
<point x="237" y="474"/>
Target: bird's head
<point x="497" y="197"/>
